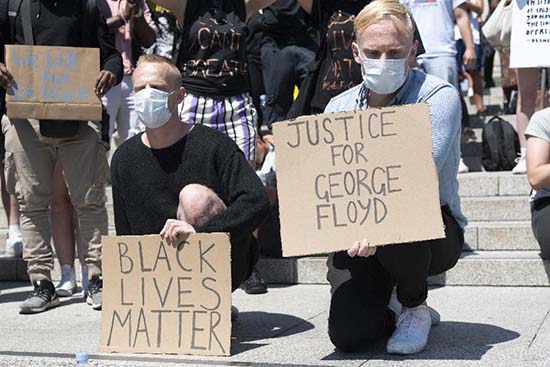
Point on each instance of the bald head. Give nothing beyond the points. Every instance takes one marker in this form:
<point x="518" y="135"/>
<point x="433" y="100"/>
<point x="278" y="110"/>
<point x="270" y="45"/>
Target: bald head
<point x="156" y="72"/>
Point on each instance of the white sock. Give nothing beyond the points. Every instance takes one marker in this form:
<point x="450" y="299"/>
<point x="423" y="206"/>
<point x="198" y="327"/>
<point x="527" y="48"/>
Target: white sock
<point x="523" y="151"/>
<point x="14" y="231"/>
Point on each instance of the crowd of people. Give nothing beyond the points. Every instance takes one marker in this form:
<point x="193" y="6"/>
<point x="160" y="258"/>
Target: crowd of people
<point x="190" y="90"/>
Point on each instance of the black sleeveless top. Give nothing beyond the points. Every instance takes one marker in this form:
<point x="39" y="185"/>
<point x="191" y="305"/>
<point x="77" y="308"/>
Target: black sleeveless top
<point x="212" y="53"/>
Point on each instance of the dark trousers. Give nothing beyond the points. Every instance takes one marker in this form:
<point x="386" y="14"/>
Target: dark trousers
<point x="540" y="220"/>
<point x="361" y="287"/>
<point x="244" y="255"/>
<point x="283" y="68"/>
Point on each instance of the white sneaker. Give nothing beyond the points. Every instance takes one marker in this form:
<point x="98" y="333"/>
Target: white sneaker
<point x="14" y="247"/>
<point x="67" y="285"/>
<point x="84" y="281"/>
<point x="462" y="167"/>
<point x="396" y="307"/>
<point x="521" y="167"/>
<point x="412" y="330"/>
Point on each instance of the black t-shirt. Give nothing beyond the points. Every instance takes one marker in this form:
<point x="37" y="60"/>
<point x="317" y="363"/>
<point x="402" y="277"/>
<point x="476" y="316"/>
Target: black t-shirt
<point x="338" y="70"/>
<point x="213" y="51"/>
<point x="287" y="23"/>
<point x="146" y="184"/>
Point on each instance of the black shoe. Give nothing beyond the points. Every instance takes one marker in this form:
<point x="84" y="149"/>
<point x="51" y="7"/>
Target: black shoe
<point x="234" y="313"/>
<point x="254" y="284"/>
<point x="43" y="297"/>
<point x="94" y="293"/>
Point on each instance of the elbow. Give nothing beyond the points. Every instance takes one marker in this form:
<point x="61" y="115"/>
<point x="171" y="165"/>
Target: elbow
<point x="535" y="182"/>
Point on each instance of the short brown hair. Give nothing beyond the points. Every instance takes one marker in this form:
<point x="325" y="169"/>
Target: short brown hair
<point x="156" y="59"/>
<point x="380" y="9"/>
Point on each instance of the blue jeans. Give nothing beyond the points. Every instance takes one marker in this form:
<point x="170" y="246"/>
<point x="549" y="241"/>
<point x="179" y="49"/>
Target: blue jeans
<point x="443" y="67"/>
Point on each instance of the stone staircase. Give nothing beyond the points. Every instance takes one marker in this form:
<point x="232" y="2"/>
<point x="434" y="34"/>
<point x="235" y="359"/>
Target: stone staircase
<point x="500" y="248"/>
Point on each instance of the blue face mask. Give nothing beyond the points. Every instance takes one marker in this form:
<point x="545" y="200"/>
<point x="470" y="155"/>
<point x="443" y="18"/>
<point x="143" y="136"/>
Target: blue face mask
<point x="384" y="76"/>
<point x="151" y="106"/>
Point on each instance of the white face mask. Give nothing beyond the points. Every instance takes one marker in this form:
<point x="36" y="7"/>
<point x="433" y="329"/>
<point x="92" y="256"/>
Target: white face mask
<point x="384" y="76"/>
<point x="151" y="106"/>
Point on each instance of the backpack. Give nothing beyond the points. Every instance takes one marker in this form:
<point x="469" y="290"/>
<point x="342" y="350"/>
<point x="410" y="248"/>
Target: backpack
<point x="500" y="146"/>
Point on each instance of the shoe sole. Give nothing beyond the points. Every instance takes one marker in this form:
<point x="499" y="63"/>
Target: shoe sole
<point x="95" y="306"/>
<point x="65" y="292"/>
<point x="404" y="353"/>
<point x="47" y="306"/>
<point x="256" y="290"/>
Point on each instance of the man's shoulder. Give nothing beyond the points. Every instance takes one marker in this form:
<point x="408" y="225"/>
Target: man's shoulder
<point x="344" y="101"/>
<point x="128" y="150"/>
<point x="211" y="139"/>
<point x="426" y="86"/>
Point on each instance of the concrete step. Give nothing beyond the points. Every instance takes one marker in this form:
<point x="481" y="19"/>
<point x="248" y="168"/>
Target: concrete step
<point x="480" y="268"/>
<point x="500" y="236"/>
<point x="500" y="208"/>
<point x="479" y="184"/>
<point x="475" y="268"/>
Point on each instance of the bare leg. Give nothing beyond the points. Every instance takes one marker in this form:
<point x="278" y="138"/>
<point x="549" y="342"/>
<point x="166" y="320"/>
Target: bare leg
<point x="478" y="90"/>
<point x="527" y="99"/>
<point x="62" y="219"/>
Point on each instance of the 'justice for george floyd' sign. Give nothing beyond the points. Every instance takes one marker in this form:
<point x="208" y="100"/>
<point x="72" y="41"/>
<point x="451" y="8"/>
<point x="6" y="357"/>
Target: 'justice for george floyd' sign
<point x="167" y="298"/>
<point x="348" y="176"/>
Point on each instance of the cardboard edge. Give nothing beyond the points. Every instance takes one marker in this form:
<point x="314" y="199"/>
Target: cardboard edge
<point x="50" y="111"/>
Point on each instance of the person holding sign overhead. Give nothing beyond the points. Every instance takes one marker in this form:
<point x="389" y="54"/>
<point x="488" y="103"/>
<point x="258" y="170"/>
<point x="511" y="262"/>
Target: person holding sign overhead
<point x="362" y="279"/>
<point x="177" y="178"/>
<point x="33" y="147"/>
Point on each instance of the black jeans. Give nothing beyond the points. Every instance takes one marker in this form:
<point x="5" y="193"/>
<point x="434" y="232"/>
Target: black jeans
<point x="540" y="220"/>
<point x="361" y="287"/>
<point x="283" y="68"/>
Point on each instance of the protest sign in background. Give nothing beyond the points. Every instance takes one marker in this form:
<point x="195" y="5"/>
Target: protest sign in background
<point x="53" y="83"/>
<point x="352" y="175"/>
<point x="530" y="43"/>
<point x="167" y="298"/>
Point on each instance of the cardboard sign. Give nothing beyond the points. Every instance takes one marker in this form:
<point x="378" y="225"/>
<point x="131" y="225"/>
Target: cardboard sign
<point x="352" y="175"/>
<point x="530" y="43"/>
<point x="53" y="83"/>
<point x="163" y="298"/>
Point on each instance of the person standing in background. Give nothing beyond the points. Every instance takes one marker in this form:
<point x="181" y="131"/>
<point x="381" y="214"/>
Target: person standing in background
<point x="134" y="29"/>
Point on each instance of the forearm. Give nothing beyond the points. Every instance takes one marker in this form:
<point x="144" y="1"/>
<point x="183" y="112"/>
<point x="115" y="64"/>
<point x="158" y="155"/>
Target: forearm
<point x="144" y="33"/>
<point x="114" y="23"/>
<point x="463" y="23"/>
<point x="475" y="6"/>
<point x="539" y="177"/>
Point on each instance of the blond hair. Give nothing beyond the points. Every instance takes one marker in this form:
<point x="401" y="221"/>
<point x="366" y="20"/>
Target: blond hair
<point x="174" y="73"/>
<point x="384" y="9"/>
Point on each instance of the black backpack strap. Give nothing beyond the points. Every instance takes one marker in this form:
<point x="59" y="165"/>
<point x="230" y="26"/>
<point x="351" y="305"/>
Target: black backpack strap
<point x="491" y="139"/>
<point x="13" y="10"/>
<point x="89" y="22"/>
<point x="27" y="22"/>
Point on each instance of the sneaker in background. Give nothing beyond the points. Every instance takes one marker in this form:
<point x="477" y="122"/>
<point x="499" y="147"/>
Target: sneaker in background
<point x="254" y="284"/>
<point x="462" y="167"/>
<point x="94" y="293"/>
<point x="43" y="297"/>
<point x="521" y="166"/>
<point x="14" y="246"/>
<point x="67" y="285"/>
<point x="411" y="331"/>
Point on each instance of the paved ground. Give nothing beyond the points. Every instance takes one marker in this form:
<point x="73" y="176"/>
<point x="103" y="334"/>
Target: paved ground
<point x="287" y="326"/>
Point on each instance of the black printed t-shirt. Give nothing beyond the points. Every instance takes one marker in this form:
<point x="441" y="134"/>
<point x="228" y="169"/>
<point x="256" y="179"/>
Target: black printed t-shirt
<point x="338" y="71"/>
<point x="213" y="51"/>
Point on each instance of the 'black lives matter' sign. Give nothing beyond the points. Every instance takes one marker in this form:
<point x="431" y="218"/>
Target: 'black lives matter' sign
<point x="348" y="176"/>
<point x="167" y="298"/>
